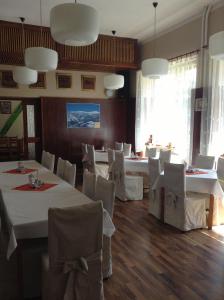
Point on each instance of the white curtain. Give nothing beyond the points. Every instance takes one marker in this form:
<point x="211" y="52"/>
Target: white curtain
<point x="212" y="129"/>
<point x="164" y="107"/>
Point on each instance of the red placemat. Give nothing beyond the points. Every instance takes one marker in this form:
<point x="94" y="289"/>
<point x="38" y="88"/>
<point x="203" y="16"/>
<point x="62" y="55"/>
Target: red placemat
<point x="196" y="173"/>
<point x="22" y="172"/>
<point x="28" y="188"/>
<point x="137" y="158"/>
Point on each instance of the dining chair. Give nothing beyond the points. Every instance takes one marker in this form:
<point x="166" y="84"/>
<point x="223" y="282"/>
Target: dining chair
<point x="119" y="146"/>
<point x="105" y="191"/>
<point x="60" y="167"/>
<point x="127" y="150"/>
<point x="183" y="210"/>
<point x="72" y="269"/>
<point x="89" y="184"/>
<point x="84" y="155"/>
<point x="47" y="160"/>
<point x="69" y="173"/>
<point x="155" y="201"/>
<point x="111" y="158"/>
<point x="204" y="162"/>
<point x="150" y="152"/>
<point x="98" y="168"/>
<point x="164" y="156"/>
<point x="126" y="187"/>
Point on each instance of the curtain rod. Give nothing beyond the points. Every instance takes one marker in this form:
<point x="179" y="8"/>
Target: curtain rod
<point x="184" y="55"/>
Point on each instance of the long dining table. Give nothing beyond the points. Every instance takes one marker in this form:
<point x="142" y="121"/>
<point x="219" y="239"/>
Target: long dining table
<point x="24" y="210"/>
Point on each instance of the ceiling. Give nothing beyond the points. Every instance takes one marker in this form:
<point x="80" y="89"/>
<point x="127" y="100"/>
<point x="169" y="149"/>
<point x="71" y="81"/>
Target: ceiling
<point x="130" y="18"/>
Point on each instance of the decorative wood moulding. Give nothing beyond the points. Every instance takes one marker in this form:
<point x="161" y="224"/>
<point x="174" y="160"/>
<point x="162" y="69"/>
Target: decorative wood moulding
<point x="108" y="53"/>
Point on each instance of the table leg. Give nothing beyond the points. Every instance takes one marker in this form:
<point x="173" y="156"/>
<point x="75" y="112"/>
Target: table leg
<point x="19" y="272"/>
<point x="210" y="215"/>
<point x="162" y="198"/>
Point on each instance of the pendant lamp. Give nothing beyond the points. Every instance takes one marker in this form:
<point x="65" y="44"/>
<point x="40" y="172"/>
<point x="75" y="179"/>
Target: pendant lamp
<point x="113" y="81"/>
<point x="154" y="67"/>
<point x="40" y="58"/>
<point x="74" y="24"/>
<point x="216" y="45"/>
<point x="24" y="75"/>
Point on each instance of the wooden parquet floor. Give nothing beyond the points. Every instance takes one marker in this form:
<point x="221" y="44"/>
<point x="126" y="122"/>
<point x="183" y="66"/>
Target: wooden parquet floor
<point x="152" y="261"/>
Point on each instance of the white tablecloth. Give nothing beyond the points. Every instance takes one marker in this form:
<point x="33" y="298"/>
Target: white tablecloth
<point x="101" y="156"/>
<point x="26" y="213"/>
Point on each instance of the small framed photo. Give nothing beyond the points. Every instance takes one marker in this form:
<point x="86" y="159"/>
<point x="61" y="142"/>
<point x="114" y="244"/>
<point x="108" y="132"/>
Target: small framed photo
<point x="6" y="79"/>
<point x="41" y="81"/>
<point x="5" y="107"/>
<point x="88" y="82"/>
<point x="63" y="81"/>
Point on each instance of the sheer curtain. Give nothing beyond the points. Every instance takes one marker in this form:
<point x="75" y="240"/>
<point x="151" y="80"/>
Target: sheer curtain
<point x="164" y="107"/>
<point x="212" y="129"/>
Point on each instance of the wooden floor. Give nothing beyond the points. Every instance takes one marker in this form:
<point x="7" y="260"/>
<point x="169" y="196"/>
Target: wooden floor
<point x="152" y="261"/>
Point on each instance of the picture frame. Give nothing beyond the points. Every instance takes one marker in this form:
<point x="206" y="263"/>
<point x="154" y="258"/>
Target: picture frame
<point x="5" y="107"/>
<point x="6" y="78"/>
<point x="88" y="82"/>
<point x="63" y="81"/>
<point x="83" y="115"/>
<point x="41" y="81"/>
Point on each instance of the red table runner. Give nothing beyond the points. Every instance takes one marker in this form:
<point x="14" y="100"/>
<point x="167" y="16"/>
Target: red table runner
<point x="137" y="158"/>
<point x="27" y="187"/>
<point x="22" y="171"/>
<point x="196" y="172"/>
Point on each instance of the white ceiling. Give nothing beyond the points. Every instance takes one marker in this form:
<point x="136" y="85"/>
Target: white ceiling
<point x="130" y="18"/>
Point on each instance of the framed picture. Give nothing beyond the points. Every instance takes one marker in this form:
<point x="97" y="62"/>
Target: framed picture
<point x="88" y="83"/>
<point x="63" y="81"/>
<point x="83" y="115"/>
<point x="41" y="81"/>
<point x="5" y="107"/>
<point x="7" y="80"/>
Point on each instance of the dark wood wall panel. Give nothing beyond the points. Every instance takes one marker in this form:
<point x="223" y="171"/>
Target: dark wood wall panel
<point x="66" y="142"/>
<point x="107" y="53"/>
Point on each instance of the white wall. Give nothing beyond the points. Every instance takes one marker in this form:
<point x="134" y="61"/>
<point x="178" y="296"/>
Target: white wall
<point x="51" y="89"/>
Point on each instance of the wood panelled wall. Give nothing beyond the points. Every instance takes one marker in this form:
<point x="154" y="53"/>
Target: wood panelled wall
<point x="66" y="142"/>
<point x="107" y="53"/>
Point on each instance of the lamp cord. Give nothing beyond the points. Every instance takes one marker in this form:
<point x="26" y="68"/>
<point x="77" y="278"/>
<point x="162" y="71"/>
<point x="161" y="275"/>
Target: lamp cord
<point x="155" y="4"/>
<point x="41" y="24"/>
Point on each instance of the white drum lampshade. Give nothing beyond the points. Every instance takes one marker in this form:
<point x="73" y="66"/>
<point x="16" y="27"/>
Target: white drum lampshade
<point x="113" y="81"/>
<point x="74" y="24"/>
<point x="24" y="75"/>
<point x="41" y="59"/>
<point x="155" y="67"/>
<point x="216" y="45"/>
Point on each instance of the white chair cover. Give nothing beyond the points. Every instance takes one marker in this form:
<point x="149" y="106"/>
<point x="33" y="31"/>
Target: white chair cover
<point x="96" y="168"/>
<point x="155" y="203"/>
<point x="126" y="187"/>
<point x="105" y="191"/>
<point x="204" y="162"/>
<point x="119" y="146"/>
<point x="127" y="150"/>
<point x="73" y="270"/>
<point x="150" y="152"/>
<point x="220" y="171"/>
<point x="69" y="173"/>
<point x="111" y="158"/>
<point x="164" y="156"/>
<point x="89" y="184"/>
<point x="47" y="160"/>
<point x="182" y="210"/>
<point x="60" y="167"/>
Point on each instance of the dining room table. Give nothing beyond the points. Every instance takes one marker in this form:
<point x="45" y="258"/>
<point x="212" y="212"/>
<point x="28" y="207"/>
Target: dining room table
<point x="201" y="181"/>
<point x="24" y="207"/>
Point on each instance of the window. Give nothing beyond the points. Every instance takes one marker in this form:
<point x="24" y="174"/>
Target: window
<point x="164" y="107"/>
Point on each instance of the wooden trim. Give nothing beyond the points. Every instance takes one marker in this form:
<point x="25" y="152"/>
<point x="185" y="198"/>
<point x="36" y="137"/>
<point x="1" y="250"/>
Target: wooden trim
<point x="107" y="53"/>
<point x="211" y="209"/>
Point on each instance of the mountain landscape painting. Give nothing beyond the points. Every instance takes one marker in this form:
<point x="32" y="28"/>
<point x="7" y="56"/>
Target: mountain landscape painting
<point x="83" y="115"/>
